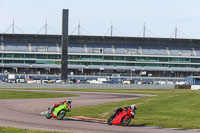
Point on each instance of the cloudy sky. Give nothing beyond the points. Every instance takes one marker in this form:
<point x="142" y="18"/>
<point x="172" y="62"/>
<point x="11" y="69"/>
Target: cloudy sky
<point x="127" y="16"/>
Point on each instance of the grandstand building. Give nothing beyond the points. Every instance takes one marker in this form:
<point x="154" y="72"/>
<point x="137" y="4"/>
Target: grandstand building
<point x="100" y="55"/>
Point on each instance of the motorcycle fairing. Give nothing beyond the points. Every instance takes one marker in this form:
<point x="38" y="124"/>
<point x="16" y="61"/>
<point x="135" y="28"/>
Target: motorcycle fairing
<point x="119" y="117"/>
<point x="59" y="108"/>
<point x="54" y="115"/>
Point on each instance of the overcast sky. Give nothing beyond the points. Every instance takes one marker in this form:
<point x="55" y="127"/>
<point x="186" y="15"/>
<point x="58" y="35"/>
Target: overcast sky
<point x="128" y="16"/>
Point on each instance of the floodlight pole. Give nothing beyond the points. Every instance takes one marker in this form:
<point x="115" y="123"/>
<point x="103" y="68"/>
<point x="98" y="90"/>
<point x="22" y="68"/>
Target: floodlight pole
<point x="13" y="30"/>
<point x="46" y="27"/>
<point x="144" y="30"/>
<point x="79" y="27"/>
<point x="64" y="42"/>
<point x="176" y="31"/>
<point x="111" y="29"/>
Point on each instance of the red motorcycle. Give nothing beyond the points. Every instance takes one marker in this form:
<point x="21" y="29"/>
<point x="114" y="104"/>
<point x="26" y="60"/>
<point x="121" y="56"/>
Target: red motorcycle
<point x="121" y="117"/>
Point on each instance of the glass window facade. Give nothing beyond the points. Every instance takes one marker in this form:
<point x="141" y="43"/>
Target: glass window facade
<point x="106" y="60"/>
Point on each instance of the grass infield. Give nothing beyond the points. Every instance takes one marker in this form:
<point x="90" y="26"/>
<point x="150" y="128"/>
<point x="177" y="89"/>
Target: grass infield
<point x="4" y="94"/>
<point x="170" y="108"/>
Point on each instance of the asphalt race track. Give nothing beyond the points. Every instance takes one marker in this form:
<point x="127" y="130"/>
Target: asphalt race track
<point x="25" y="113"/>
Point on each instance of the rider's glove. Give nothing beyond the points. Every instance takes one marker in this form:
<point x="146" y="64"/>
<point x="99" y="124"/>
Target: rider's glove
<point x="132" y="113"/>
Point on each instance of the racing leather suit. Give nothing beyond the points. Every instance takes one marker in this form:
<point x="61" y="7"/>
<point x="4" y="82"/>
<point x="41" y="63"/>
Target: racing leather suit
<point x="61" y="103"/>
<point x="119" y="109"/>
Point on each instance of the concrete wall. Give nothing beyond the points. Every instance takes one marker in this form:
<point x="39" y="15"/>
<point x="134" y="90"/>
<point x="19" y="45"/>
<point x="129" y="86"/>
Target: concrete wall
<point x="87" y="86"/>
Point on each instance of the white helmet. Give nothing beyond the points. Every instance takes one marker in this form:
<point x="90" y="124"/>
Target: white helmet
<point x="133" y="107"/>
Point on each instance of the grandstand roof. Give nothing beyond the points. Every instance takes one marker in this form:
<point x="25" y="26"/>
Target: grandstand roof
<point x="99" y="39"/>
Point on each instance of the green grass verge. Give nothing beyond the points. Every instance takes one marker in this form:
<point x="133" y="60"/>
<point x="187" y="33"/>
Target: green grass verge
<point x="4" y="94"/>
<point x="170" y="108"/>
<point x="17" y="130"/>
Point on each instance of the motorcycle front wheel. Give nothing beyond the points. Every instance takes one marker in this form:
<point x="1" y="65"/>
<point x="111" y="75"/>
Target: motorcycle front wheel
<point x="48" y="115"/>
<point x="61" y="114"/>
<point x="125" y="122"/>
<point x="110" y="119"/>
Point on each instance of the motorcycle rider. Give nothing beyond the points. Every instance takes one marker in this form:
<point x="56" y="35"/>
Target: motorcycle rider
<point x="133" y="108"/>
<point x="68" y="102"/>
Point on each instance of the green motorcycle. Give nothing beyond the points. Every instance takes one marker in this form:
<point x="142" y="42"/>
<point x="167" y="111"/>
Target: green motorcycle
<point x="58" y="112"/>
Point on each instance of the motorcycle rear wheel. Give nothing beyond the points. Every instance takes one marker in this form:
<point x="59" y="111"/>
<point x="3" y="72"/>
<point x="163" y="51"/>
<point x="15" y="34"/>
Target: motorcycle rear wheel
<point x="125" y="122"/>
<point x="61" y="114"/>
